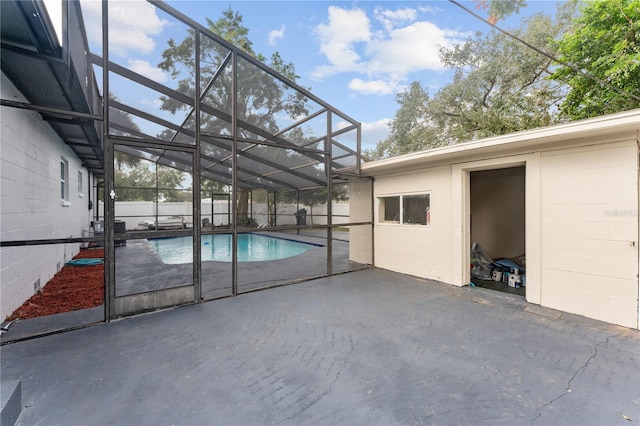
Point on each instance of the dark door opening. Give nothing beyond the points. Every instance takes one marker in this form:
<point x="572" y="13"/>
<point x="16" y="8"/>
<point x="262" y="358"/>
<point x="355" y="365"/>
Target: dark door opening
<point x="498" y="227"/>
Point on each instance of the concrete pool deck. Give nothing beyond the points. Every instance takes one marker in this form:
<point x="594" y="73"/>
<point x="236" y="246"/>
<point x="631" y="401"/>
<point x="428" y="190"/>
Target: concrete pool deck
<point x="140" y="269"/>
<point x="369" y="347"/>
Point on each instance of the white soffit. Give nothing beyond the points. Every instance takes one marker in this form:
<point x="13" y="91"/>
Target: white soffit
<point x="624" y="122"/>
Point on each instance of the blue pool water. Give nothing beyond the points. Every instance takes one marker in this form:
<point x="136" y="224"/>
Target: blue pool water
<point x="251" y="248"/>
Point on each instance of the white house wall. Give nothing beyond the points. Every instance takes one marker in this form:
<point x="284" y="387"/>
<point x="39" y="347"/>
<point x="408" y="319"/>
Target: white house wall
<point x="581" y="220"/>
<point x="423" y="251"/>
<point x="30" y="201"/>
<point x="360" y="236"/>
<point x="589" y="210"/>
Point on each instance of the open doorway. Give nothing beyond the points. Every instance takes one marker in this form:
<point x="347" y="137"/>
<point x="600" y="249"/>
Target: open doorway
<point x="497" y="229"/>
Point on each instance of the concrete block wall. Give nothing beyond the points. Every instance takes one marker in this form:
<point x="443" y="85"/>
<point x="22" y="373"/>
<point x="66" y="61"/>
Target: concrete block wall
<point x="360" y="210"/>
<point x="581" y="213"/>
<point x="423" y="251"/>
<point x="30" y="201"/>
<point x="589" y="218"/>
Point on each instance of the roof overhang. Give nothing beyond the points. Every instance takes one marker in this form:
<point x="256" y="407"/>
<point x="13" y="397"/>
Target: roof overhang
<point x="627" y="122"/>
<point x="44" y="72"/>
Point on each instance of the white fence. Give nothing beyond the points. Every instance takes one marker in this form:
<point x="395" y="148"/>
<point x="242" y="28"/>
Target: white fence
<point x="136" y="213"/>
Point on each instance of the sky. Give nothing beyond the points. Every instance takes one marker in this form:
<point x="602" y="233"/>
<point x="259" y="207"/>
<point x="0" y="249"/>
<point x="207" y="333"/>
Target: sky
<point x="355" y="55"/>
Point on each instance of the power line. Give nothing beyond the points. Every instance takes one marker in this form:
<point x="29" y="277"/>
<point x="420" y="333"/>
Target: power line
<point x="553" y="58"/>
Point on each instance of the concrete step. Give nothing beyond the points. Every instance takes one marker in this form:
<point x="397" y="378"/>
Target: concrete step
<point x="11" y="396"/>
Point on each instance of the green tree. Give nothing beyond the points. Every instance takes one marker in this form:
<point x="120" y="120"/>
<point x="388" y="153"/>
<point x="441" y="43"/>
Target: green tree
<point x="142" y="180"/>
<point x="499" y="86"/>
<point x="409" y="130"/>
<point x="261" y="98"/>
<point x="605" y="43"/>
<point x="319" y="196"/>
<point x="314" y="197"/>
<point x="121" y="120"/>
<point x="212" y="186"/>
<point x="498" y="9"/>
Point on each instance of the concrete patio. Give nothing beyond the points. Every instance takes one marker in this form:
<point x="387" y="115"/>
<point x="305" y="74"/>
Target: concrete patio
<point x="367" y="347"/>
<point x="139" y="269"/>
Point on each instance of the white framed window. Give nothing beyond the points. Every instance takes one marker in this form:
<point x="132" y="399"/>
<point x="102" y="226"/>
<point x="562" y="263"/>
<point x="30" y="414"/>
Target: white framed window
<point x="64" y="181"/>
<point x="414" y="209"/>
<point x="80" y="184"/>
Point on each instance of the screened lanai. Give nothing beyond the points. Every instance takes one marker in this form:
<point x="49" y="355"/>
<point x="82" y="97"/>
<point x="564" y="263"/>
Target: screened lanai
<point x="208" y="176"/>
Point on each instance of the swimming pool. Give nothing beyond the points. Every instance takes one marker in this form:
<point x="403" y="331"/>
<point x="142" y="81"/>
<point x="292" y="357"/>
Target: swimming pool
<point x="251" y="248"/>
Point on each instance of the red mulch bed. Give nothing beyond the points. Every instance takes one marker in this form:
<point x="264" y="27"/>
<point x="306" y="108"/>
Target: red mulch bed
<point x="73" y="288"/>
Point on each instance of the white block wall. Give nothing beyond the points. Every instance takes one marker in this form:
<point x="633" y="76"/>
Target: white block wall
<point x="589" y="217"/>
<point x="423" y="251"/>
<point x="361" y="236"/>
<point x="30" y="201"/>
<point x="584" y="202"/>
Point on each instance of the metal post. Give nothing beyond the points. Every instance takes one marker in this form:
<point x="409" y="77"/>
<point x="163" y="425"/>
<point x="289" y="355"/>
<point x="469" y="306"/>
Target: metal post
<point x="109" y="241"/>
<point x="196" y="195"/>
<point x="329" y="174"/>
<point x="157" y="196"/>
<point x="234" y="173"/>
<point x="297" y="208"/>
<point x="268" y="208"/>
<point x="275" y="208"/>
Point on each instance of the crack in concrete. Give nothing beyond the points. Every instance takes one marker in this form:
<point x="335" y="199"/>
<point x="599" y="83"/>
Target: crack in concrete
<point x="325" y="393"/>
<point x="575" y="374"/>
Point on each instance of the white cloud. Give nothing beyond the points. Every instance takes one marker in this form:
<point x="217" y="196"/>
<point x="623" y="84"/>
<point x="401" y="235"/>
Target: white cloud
<point x="369" y="87"/>
<point x="132" y="25"/>
<point x="415" y="47"/>
<point x="384" y="51"/>
<point x="392" y="18"/>
<point x="338" y="38"/>
<point x="374" y="132"/>
<point x="275" y="35"/>
<point x="147" y="70"/>
<point x="429" y="9"/>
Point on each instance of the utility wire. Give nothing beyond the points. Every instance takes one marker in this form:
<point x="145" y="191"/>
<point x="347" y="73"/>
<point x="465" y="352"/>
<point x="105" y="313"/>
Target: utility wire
<point x="553" y="58"/>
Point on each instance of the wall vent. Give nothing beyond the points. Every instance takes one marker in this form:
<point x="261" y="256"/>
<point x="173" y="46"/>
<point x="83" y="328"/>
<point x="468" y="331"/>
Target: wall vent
<point x="36" y="286"/>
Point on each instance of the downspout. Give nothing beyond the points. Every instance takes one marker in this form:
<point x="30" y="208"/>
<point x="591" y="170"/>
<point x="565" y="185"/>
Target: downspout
<point x="373" y="224"/>
<point x="636" y="243"/>
<point x="90" y="180"/>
